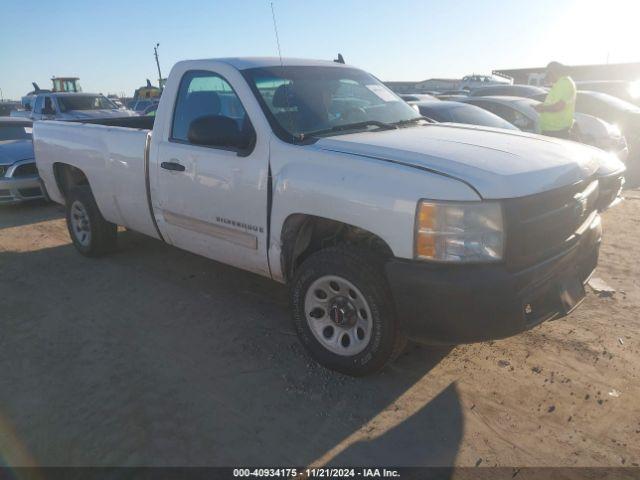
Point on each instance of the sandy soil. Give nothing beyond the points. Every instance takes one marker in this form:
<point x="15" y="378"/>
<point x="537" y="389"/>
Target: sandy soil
<point x="154" y="356"/>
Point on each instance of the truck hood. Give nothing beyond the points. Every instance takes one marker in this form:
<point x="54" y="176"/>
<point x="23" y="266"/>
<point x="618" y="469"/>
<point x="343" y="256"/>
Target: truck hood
<point x="13" y="150"/>
<point x="496" y="163"/>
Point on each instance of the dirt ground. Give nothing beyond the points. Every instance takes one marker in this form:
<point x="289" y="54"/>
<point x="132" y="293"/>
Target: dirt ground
<point x="153" y="356"/>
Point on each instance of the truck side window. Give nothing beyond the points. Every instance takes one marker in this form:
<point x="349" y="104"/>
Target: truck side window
<point x="205" y="93"/>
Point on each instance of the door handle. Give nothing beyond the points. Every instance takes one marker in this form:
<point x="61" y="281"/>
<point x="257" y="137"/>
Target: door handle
<point x="173" y="166"/>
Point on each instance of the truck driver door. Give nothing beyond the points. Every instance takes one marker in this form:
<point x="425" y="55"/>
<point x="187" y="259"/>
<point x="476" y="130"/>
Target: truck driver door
<point x="211" y="194"/>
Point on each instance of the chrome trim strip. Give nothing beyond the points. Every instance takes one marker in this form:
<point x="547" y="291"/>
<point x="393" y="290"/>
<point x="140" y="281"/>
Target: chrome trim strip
<point x="237" y="237"/>
<point x="147" y="184"/>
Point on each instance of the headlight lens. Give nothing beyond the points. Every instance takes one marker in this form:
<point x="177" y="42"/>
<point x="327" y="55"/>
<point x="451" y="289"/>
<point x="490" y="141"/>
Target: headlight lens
<point x="459" y="232"/>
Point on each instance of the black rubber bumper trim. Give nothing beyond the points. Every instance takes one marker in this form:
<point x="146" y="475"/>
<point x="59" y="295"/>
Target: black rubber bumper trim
<point x="453" y="304"/>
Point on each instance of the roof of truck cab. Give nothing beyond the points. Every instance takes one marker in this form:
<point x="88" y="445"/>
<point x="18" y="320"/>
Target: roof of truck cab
<point x="244" y="63"/>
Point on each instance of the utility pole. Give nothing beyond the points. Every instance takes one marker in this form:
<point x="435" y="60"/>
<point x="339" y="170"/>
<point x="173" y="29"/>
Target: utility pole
<point x="155" y="50"/>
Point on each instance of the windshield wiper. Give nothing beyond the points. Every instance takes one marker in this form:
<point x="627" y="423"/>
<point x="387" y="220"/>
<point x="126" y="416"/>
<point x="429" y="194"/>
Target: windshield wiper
<point x="413" y="120"/>
<point x="350" y="126"/>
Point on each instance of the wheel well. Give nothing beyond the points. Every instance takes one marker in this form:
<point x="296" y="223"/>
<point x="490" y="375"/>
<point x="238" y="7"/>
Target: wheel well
<point x="303" y="235"/>
<point x="67" y="176"/>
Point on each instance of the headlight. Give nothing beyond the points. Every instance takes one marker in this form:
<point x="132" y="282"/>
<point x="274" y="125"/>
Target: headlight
<point x="459" y="232"/>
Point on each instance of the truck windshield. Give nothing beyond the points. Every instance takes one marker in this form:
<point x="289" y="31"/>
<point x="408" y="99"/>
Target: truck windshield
<point x="300" y="101"/>
<point x="84" y="102"/>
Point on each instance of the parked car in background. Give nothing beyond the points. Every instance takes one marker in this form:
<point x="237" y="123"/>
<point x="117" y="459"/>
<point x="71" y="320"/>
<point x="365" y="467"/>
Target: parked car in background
<point x="139" y="106"/>
<point x="382" y="224"/>
<point x="24" y="108"/>
<point x="116" y="101"/>
<point x="19" y="180"/>
<point x="7" y="107"/>
<point x="457" y="112"/>
<point x="624" y="115"/>
<point x="150" y="111"/>
<point x="75" y="106"/>
<point x="453" y="97"/>
<point x="454" y="92"/>
<point x="417" y="97"/>
<point x="528" y="91"/>
<point x="471" y="82"/>
<point x="622" y="89"/>
<point x="589" y="129"/>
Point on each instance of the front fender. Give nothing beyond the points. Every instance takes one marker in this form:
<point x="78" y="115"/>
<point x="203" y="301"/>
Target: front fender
<point x="370" y="194"/>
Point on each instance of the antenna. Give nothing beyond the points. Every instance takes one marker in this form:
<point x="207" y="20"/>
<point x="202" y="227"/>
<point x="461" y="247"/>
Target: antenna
<point x="155" y="52"/>
<point x="275" y="28"/>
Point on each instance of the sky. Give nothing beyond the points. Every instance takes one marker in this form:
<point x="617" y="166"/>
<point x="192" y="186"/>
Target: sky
<point x="109" y="44"/>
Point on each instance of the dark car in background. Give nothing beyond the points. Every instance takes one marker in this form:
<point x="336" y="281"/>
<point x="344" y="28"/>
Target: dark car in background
<point x="417" y="97"/>
<point x="456" y="112"/>
<point x="19" y="180"/>
<point x="527" y="91"/>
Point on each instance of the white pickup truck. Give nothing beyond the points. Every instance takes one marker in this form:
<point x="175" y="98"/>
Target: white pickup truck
<point x="384" y="225"/>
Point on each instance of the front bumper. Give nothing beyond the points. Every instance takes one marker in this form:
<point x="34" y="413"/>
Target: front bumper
<point x="15" y="188"/>
<point x="452" y="304"/>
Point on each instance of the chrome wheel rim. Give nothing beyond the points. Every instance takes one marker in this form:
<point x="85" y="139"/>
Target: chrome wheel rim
<point x="338" y="315"/>
<point x="80" y="223"/>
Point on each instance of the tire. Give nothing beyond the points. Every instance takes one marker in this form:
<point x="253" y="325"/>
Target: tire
<point x="91" y="234"/>
<point x="322" y="323"/>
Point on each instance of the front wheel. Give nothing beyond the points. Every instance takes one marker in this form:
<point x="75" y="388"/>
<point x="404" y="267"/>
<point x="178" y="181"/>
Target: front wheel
<point x="91" y="234"/>
<point x="343" y="311"/>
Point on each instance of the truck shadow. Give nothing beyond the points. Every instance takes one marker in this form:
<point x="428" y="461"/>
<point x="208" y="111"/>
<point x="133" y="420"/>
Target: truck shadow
<point x="154" y="356"/>
<point x="28" y="213"/>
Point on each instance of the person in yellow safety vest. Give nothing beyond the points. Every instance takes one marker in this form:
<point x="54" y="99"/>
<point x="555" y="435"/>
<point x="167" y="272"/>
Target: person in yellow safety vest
<point x="556" y="112"/>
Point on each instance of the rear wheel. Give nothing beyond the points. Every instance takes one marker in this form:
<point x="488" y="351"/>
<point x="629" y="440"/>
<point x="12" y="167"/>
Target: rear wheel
<point x="343" y="311"/>
<point x="91" y="234"/>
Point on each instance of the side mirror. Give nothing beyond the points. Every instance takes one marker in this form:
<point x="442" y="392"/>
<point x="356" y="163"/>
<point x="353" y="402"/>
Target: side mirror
<point x="219" y="131"/>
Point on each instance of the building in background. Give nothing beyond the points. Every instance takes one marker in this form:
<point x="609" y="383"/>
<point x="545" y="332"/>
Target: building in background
<point x="612" y="71"/>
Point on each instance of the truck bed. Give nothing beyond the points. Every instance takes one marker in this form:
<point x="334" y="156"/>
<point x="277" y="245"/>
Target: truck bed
<point x="111" y="153"/>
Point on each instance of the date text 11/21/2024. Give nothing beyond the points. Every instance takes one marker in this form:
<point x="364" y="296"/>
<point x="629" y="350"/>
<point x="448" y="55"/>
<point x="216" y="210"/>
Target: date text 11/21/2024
<point x="311" y="473"/>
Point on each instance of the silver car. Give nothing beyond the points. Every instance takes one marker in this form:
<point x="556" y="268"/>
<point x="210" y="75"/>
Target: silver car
<point x="19" y="178"/>
<point x="75" y="106"/>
